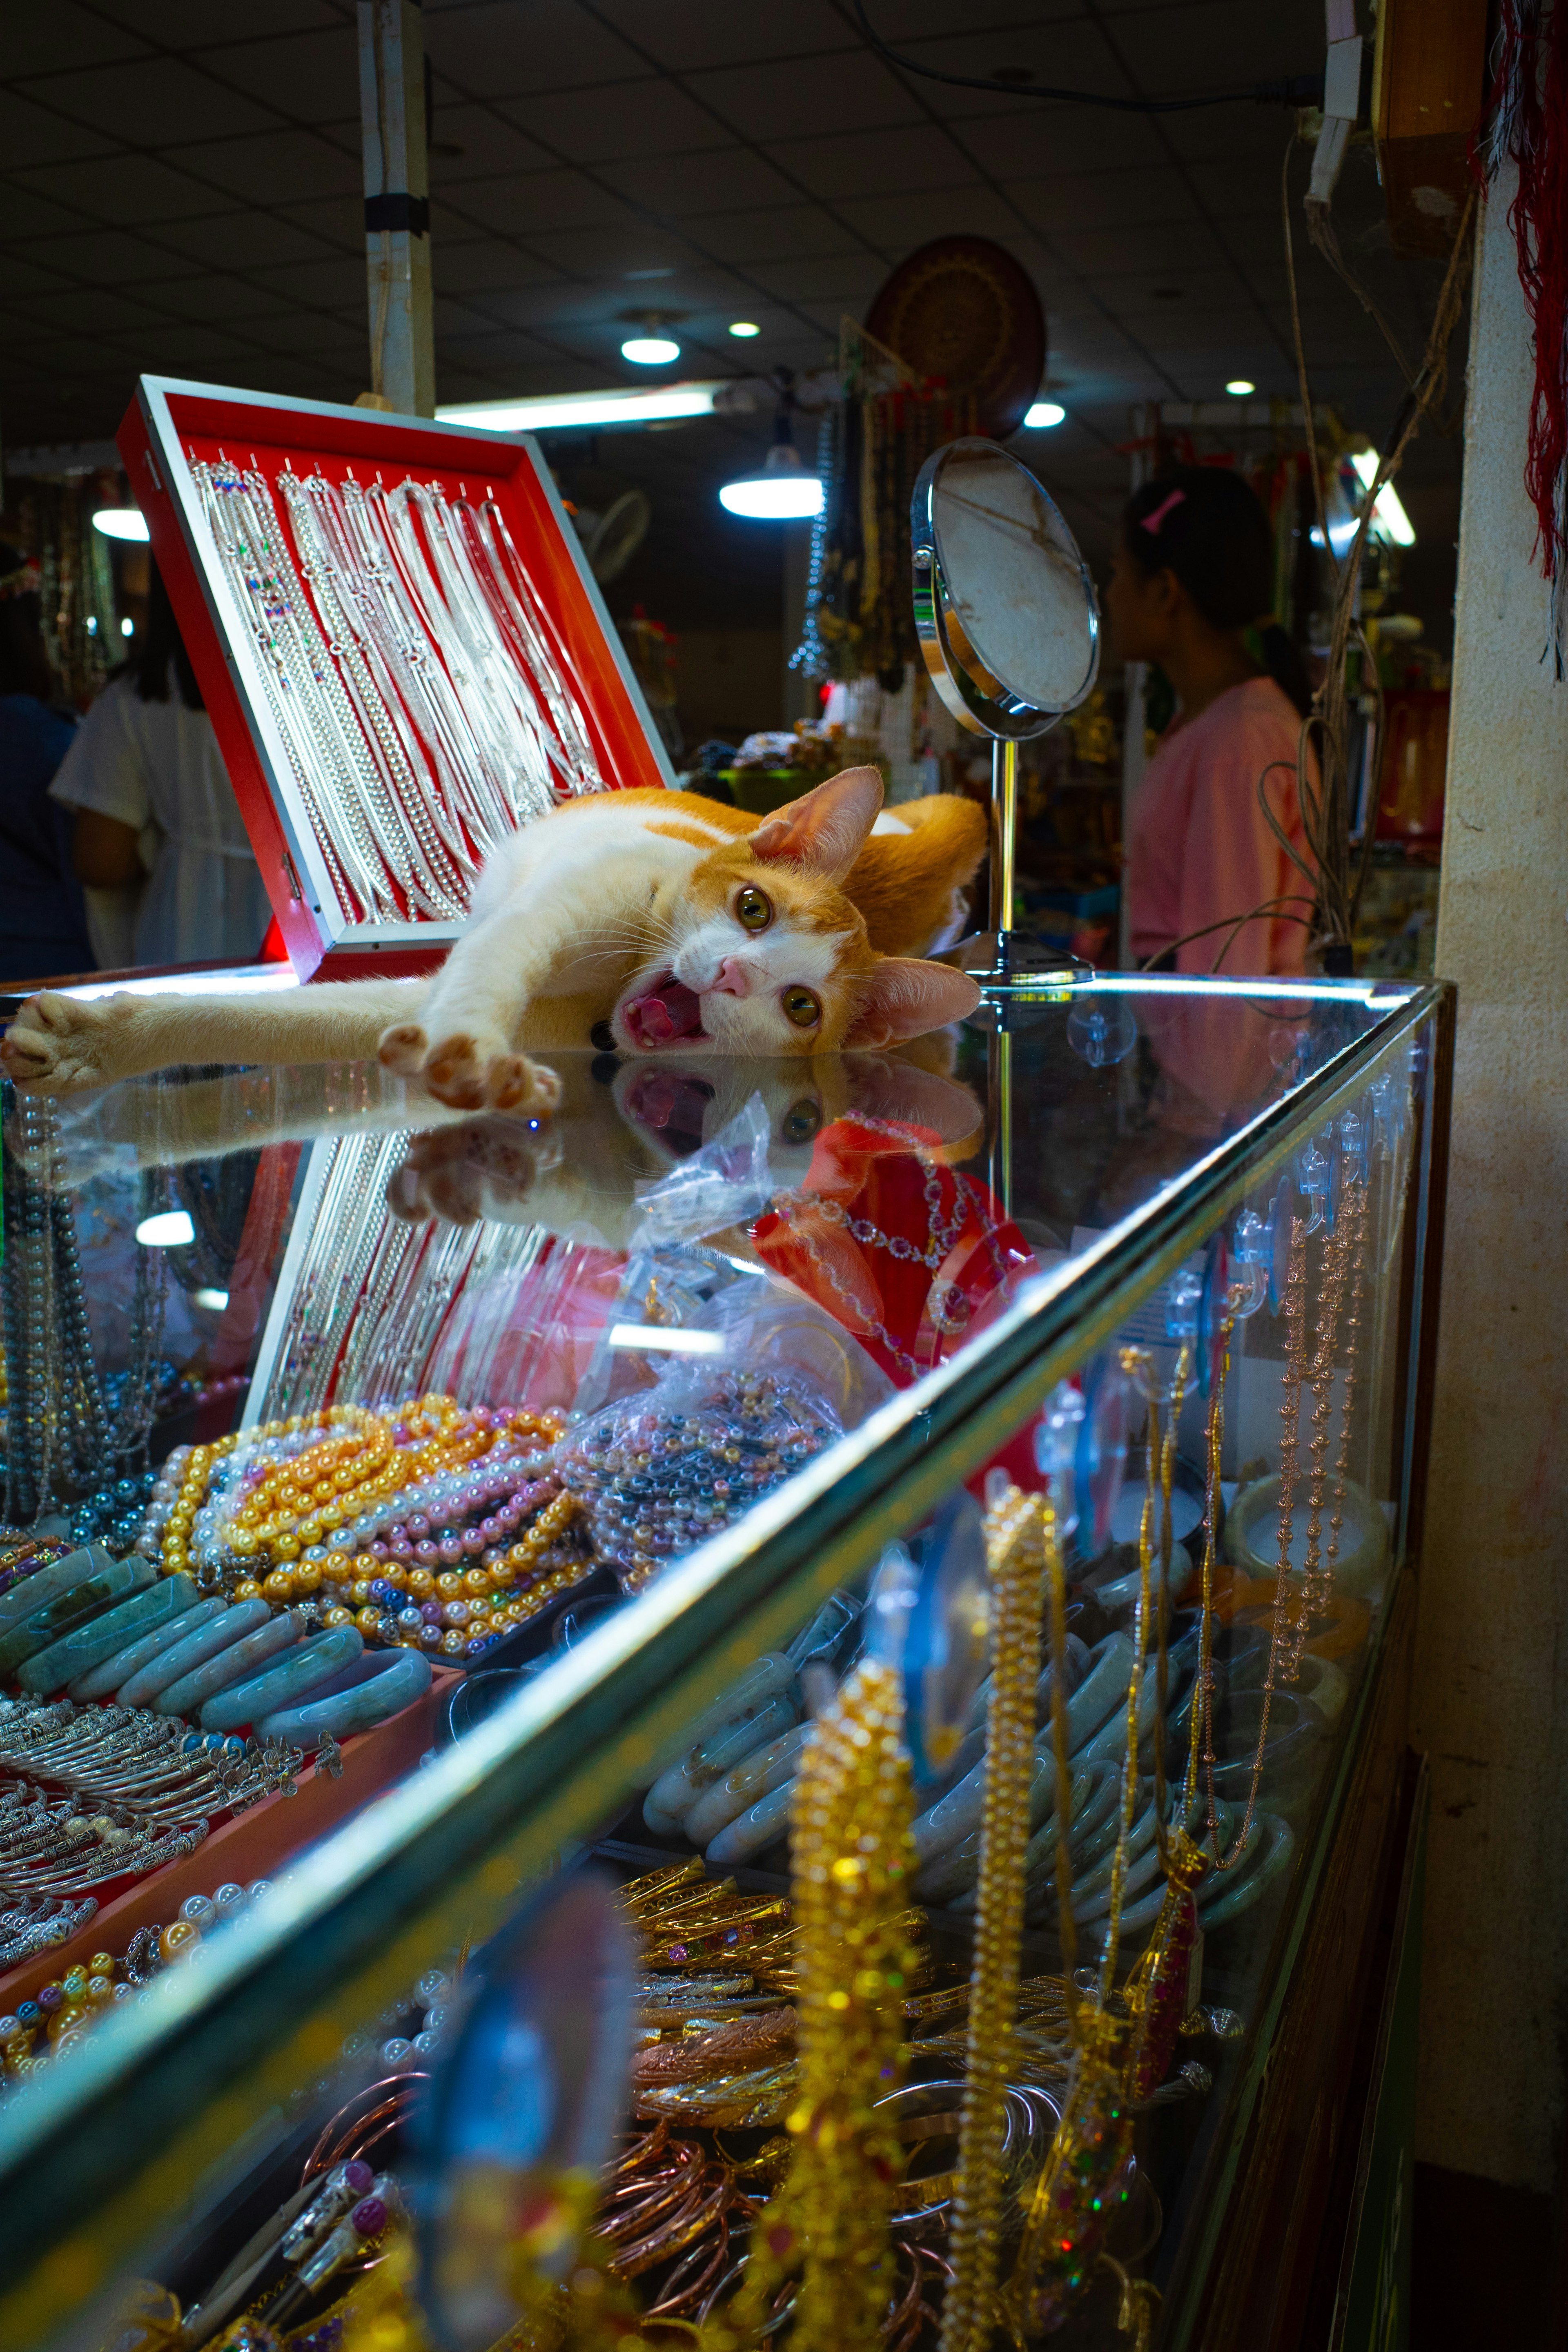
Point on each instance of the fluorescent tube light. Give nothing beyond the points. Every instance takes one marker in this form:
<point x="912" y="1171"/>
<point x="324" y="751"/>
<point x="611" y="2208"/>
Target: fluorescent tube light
<point x="172" y="1229"/>
<point x="1388" y="512"/>
<point x="582" y="409"/>
<point x="658" y="1338"/>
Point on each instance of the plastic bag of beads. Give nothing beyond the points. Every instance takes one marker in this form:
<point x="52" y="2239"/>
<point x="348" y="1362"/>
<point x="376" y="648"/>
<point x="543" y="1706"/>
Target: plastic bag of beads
<point x="658" y="1473"/>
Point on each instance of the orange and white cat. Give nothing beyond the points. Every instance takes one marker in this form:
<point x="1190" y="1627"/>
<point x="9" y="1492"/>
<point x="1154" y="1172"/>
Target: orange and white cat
<point x="643" y="919"/>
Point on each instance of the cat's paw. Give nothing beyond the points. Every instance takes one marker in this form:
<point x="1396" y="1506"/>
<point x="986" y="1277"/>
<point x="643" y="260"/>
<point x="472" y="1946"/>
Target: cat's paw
<point x="478" y="1168"/>
<point x="63" y="1044"/>
<point x="402" y="1049"/>
<point x="466" y="1072"/>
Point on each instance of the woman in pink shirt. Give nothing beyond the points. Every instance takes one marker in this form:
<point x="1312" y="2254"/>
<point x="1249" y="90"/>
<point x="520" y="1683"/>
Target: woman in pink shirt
<point x="1193" y="572"/>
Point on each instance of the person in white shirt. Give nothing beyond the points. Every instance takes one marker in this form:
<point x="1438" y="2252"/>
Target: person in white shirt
<point x="159" y="842"/>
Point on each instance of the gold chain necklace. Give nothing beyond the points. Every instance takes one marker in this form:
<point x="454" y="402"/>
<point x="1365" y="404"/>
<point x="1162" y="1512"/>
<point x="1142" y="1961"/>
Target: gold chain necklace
<point x="1016" y="1562"/>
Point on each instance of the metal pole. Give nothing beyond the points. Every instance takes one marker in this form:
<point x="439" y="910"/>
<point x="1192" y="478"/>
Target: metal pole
<point x="396" y="208"/>
<point x="1134" y="760"/>
<point x="1004" y="831"/>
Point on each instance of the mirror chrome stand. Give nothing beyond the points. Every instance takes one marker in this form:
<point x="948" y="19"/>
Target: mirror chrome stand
<point x="1010" y="643"/>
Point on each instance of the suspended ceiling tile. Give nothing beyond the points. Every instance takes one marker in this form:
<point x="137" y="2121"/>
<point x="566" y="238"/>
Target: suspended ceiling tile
<point x="63" y="35"/>
<point x="1097" y="253"/>
<point x="528" y="201"/>
<point x="27" y="216"/>
<point x="781" y="233"/>
<point x="20" y="276"/>
<point x="166" y="101"/>
<point x="618" y="120"/>
<point x="509" y="48"/>
<point x="125" y="189"/>
<point x="849" y="278"/>
<point x="217" y="299"/>
<point x="877" y="162"/>
<point x="307" y="77"/>
<point x="327" y="285"/>
<point x="187" y="349"/>
<point x="485" y="265"/>
<point x="33" y="134"/>
<point x="789" y="97"/>
<point x="895" y="224"/>
<point x="1199" y="46"/>
<point x="242" y="240"/>
<point x="104" y="256"/>
<point x="610" y="256"/>
<point x="278" y="166"/>
<point x="336" y="221"/>
<point x="1056" y="141"/>
<point x="684" y="36"/>
<point x="489" y="147"/>
<point x="90" y="311"/>
<point x="182" y="25"/>
<point x="679" y="185"/>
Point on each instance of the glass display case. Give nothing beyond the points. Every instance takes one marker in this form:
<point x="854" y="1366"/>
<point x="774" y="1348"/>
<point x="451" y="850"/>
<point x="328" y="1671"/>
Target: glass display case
<point x="811" y="1654"/>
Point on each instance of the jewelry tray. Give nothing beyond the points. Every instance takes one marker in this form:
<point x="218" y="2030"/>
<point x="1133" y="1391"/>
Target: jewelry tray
<point x="172" y="427"/>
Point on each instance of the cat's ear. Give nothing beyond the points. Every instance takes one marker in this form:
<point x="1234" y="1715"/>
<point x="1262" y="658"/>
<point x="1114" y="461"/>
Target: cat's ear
<point x="825" y="830"/>
<point x="903" y="997"/>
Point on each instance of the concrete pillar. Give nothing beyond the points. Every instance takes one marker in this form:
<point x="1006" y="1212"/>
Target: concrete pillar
<point x="1492" y="1696"/>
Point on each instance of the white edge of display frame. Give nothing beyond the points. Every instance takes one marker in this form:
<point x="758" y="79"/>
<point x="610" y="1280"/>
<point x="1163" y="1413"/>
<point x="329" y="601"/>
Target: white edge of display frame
<point x="154" y="394"/>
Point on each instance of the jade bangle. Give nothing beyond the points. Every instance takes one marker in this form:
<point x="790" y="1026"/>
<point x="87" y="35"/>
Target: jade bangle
<point x="102" y="1681"/>
<point x="48" y="1583"/>
<point x="232" y="1664"/>
<point x="303" y="1668"/>
<point x="368" y="1690"/>
<point x="1355" y="1571"/>
<point x="197" y="1647"/>
<point x="1235" y="1891"/>
<point x="70" y="1609"/>
<point x="89" y="1644"/>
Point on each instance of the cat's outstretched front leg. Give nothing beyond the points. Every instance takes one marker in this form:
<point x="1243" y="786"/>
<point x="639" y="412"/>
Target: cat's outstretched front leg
<point x="61" y="1045"/>
<point x="462" y="1048"/>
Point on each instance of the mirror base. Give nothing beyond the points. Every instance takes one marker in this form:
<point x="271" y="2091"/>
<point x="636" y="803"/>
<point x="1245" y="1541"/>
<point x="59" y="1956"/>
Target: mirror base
<point x="1011" y="959"/>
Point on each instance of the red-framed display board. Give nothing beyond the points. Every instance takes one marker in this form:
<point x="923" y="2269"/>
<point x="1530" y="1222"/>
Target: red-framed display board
<point x="174" y="436"/>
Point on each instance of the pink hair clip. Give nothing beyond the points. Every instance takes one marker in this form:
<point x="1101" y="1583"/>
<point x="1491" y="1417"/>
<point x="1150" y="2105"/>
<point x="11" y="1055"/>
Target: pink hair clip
<point x="1151" y="522"/>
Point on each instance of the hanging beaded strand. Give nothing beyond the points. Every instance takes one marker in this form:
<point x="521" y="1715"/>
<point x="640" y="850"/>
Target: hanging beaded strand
<point x="1016" y="1562"/>
<point x="1083" y="2183"/>
<point x="851" y="1860"/>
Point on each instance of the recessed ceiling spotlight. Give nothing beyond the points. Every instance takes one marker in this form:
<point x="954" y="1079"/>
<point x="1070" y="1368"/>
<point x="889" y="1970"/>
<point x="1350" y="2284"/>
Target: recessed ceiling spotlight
<point x="121" y="522"/>
<point x="1239" y="386"/>
<point x="650" y="351"/>
<point x="744" y="326"/>
<point x="1043" y="415"/>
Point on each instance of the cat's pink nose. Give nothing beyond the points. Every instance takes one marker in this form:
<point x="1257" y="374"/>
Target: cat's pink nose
<point x="732" y="978"/>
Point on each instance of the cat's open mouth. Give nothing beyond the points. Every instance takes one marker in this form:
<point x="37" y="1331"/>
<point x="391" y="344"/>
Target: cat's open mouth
<point x="668" y="1014"/>
<point x="671" y="1103"/>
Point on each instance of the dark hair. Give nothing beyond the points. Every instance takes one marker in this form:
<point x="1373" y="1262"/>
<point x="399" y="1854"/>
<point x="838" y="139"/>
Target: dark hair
<point x="1208" y="527"/>
<point x="161" y="644"/>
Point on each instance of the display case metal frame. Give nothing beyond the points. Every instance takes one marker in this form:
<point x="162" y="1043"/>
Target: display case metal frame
<point x="96" y="2156"/>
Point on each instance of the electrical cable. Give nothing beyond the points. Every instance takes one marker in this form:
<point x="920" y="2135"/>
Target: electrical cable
<point x="1293" y="90"/>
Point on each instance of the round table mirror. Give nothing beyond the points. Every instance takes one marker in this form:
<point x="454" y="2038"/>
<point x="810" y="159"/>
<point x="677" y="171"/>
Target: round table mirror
<point x="1008" y="624"/>
<point x="1004" y="606"/>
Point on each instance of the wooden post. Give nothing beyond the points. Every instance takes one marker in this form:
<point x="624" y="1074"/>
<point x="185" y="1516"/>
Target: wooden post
<point x="396" y="208"/>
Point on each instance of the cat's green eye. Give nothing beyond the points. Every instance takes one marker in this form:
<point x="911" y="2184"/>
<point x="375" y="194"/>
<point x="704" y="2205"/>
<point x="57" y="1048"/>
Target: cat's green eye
<point x="802" y="1121"/>
<point x="801" y="1007"/>
<point x="754" y="910"/>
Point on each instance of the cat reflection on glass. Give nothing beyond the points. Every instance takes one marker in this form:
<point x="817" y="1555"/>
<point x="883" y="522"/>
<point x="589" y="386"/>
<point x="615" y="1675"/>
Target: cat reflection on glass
<point x="646" y="921"/>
